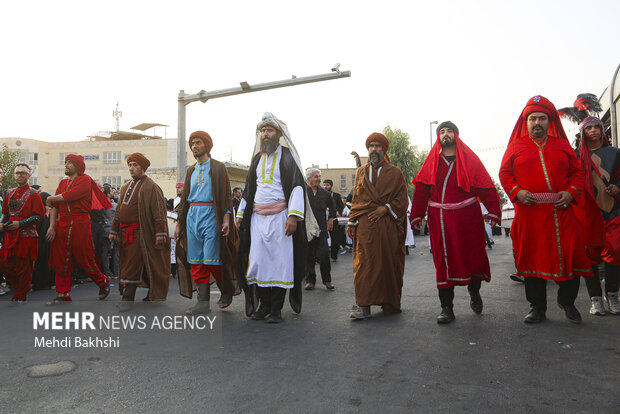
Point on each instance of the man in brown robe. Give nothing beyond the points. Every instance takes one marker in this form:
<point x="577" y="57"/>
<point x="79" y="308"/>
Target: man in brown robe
<point x="377" y="226"/>
<point x="140" y="228"/>
<point x="207" y="239"/>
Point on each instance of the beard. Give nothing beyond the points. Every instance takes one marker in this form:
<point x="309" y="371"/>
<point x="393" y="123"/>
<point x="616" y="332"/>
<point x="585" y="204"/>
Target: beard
<point x="376" y="157"/>
<point x="269" y="147"/>
<point x="199" y="154"/>
<point x="447" y="142"/>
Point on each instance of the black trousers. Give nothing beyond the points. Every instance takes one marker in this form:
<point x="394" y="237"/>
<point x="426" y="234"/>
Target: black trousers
<point x="338" y="238"/>
<point x="271" y="297"/>
<point x="318" y="249"/>
<point x="446" y="295"/>
<point x="612" y="280"/>
<point x="536" y="292"/>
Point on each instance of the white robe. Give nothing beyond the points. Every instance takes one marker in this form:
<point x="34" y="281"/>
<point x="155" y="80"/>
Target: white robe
<point x="271" y="250"/>
<point x="410" y="240"/>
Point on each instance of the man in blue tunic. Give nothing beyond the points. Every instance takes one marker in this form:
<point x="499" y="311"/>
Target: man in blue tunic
<point x="207" y="240"/>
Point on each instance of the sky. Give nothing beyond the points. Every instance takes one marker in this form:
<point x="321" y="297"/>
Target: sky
<point x="65" y="64"/>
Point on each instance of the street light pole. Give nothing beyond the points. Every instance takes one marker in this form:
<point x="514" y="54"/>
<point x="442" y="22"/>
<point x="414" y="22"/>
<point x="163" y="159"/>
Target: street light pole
<point x="430" y="126"/>
<point x="204" y="96"/>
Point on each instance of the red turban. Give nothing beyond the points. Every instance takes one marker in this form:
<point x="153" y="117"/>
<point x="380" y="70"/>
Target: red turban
<point x="205" y="137"/>
<point x="539" y="104"/>
<point x="140" y="160"/>
<point x="77" y="161"/>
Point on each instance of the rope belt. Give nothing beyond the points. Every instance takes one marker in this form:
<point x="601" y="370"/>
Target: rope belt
<point x="201" y="204"/>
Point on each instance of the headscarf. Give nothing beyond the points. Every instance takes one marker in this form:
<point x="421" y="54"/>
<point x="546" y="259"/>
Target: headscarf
<point x="470" y="171"/>
<point x="78" y="162"/>
<point x="584" y="152"/>
<point x="204" y="137"/>
<point x="269" y="119"/>
<point x="381" y="139"/>
<point x="140" y="159"/>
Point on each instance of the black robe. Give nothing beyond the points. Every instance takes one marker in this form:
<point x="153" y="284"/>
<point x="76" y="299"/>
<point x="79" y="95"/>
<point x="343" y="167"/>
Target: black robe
<point x="291" y="177"/>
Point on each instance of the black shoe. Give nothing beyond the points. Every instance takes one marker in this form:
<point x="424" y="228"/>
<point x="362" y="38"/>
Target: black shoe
<point x="535" y="316"/>
<point x="446" y="315"/>
<point x="334" y="257"/>
<point x="475" y="302"/>
<point x="275" y="317"/>
<point x="516" y="278"/>
<point x="571" y="312"/>
<point x="260" y="313"/>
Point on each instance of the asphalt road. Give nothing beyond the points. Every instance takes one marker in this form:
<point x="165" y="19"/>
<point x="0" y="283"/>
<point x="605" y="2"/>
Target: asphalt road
<point x="321" y="361"/>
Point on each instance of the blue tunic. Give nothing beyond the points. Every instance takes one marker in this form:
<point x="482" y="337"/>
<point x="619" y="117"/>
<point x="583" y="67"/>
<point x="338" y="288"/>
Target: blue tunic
<point x="202" y="232"/>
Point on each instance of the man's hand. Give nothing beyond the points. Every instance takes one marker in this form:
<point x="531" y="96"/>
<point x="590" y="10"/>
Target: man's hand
<point x="52" y="199"/>
<point x="113" y="238"/>
<point x="291" y="225"/>
<point x="564" y="201"/>
<point x="492" y="223"/>
<point x="51" y="234"/>
<point x="238" y="221"/>
<point x="376" y="215"/>
<point x="612" y="190"/>
<point x="526" y="197"/>
<point x="351" y="230"/>
<point x="177" y="232"/>
<point x="160" y="241"/>
<point x="13" y="226"/>
<point x="226" y="225"/>
<point x="418" y="225"/>
<point x="330" y="224"/>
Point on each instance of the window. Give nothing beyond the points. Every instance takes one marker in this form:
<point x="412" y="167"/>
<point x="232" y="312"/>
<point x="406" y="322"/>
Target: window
<point x="343" y="181"/>
<point x="33" y="181"/>
<point x="22" y="157"/>
<point x="114" y="181"/>
<point x="352" y="180"/>
<point x="112" y="157"/>
<point x="33" y="158"/>
<point x="62" y="155"/>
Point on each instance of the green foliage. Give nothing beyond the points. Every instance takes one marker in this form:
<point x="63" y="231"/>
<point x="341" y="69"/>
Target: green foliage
<point x="8" y="159"/>
<point x="502" y="195"/>
<point x="403" y="155"/>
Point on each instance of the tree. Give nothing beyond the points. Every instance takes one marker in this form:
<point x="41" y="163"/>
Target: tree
<point x="403" y="155"/>
<point x="502" y="195"/>
<point x="8" y="160"/>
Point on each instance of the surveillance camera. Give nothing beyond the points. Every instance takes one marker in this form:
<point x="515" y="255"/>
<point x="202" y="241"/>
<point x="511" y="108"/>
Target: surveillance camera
<point x="336" y="68"/>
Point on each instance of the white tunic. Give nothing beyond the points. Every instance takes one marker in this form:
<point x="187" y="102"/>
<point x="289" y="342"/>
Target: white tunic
<point x="271" y="251"/>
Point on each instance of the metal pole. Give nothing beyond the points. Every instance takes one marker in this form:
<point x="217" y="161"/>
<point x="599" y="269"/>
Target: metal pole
<point x="430" y="127"/>
<point x="612" y="109"/>
<point x="181" y="154"/>
<point x="204" y="96"/>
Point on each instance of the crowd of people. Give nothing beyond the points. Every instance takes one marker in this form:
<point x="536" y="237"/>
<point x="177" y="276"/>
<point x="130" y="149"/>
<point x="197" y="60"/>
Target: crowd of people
<point x="265" y="240"/>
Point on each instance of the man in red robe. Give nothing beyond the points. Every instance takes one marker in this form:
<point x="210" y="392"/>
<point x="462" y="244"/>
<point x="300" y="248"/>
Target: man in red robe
<point x="22" y="210"/>
<point x="542" y="176"/>
<point x="70" y="235"/>
<point x="449" y="184"/>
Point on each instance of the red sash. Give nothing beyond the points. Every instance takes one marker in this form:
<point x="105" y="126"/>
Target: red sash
<point x="129" y="231"/>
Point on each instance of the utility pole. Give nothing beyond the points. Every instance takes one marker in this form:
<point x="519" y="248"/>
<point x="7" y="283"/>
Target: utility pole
<point x="204" y="96"/>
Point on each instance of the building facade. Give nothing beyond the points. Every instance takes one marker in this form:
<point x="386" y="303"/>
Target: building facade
<point x="106" y="161"/>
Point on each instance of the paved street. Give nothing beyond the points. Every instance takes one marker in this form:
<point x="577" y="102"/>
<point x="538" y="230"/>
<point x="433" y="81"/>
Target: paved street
<point x="323" y="362"/>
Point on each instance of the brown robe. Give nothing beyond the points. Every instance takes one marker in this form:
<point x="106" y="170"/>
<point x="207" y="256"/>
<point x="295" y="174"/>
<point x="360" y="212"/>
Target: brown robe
<point x="229" y="246"/>
<point x="379" y="248"/>
<point x="151" y="208"/>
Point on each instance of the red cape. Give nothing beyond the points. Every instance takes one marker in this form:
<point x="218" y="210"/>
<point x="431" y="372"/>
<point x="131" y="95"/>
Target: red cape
<point x="470" y="171"/>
